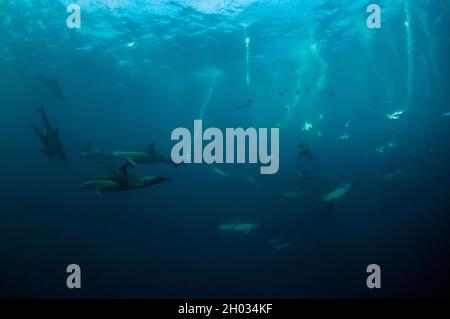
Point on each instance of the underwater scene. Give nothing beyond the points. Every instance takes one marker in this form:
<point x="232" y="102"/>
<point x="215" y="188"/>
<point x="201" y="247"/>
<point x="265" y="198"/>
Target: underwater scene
<point x="285" y="149"/>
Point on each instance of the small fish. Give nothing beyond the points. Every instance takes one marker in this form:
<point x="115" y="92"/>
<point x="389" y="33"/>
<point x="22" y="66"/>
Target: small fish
<point x="307" y="127"/>
<point x="246" y="105"/>
<point x="394" y="176"/>
<point x="396" y="115"/>
<point x="220" y="172"/>
<point x="391" y="145"/>
<point x="291" y="194"/>
<point x="287" y="107"/>
<point x="337" y="194"/>
<point x="343" y="137"/>
<point x="446" y="114"/>
<point x="238" y="227"/>
<point x="278" y="243"/>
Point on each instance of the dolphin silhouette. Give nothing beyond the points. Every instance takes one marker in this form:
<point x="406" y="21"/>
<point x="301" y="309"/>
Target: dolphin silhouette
<point x="53" y="86"/>
<point x="121" y="181"/>
<point x="49" y="138"/>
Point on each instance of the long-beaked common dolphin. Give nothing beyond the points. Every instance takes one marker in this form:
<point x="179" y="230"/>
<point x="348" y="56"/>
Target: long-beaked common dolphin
<point x="279" y="242"/>
<point x="50" y="139"/>
<point x="396" y="115"/>
<point x="394" y="176"/>
<point x="104" y="159"/>
<point x="239" y="227"/>
<point x="53" y="85"/>
<point x="337" y="194"/>
<point x="121" y="181"/>
<point x="146" y="156"/>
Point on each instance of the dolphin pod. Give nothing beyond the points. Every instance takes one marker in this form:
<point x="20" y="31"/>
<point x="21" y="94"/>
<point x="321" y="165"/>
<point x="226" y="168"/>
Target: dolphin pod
<point x="117" y="181"/>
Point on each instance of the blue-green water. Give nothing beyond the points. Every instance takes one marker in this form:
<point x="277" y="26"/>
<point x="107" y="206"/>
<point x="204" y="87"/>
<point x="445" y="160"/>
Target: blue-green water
<point x="136" y="70"/>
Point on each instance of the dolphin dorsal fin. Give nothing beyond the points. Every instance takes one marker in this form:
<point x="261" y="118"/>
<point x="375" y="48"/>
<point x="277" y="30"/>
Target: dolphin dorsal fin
<point x="151" y="148"/>
<point x="123" y="170"/>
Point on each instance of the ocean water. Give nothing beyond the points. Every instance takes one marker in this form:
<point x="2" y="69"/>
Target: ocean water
<point x="136" y="70"/>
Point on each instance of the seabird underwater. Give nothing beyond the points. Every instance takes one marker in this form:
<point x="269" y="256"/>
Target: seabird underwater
<point x="349" y="100"/>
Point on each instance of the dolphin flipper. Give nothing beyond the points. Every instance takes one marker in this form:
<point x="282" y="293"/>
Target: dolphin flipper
<point x="123" y="170"/>
<point x="130" y="163"/>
